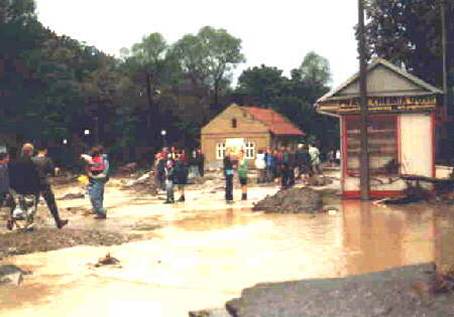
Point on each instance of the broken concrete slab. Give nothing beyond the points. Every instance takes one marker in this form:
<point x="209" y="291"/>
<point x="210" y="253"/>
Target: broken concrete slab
<point x="393" y="293"/>
<point x="295" y="200"/>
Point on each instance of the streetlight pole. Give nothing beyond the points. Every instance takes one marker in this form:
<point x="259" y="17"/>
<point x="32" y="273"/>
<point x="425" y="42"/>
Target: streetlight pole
<point x="364" y="154"/>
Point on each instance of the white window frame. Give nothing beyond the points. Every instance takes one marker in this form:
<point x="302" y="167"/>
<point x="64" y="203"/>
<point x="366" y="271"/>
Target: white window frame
<point x="220" y="151"/>
<point x="250" y="150"/>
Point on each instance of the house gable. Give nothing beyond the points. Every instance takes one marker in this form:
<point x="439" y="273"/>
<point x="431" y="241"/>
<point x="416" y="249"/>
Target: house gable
<point x="383" y="79"/>
<point x="245" y="123"/>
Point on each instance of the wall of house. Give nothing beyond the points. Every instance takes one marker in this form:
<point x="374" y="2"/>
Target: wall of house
<point x="221" y="128"/>
<point x="209" y="142"/>
<point x="416" y="144"/>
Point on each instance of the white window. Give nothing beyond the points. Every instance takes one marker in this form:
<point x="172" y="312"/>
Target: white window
<point x="220" y="151"/>
<point x="250" y="150"/>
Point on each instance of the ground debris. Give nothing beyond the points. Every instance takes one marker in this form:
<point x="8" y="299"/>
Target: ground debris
<point x="443" y="281"/>
<point x="144" y="184"/>
<point x="46" y="239"/>
<point x="11" y="274"/>
<point x="319" y="181"/>
<point x="71" y="196"/>
<point x="108" y="260"/>
<point x="295" y="200"/>
<point x="209" y="313"/>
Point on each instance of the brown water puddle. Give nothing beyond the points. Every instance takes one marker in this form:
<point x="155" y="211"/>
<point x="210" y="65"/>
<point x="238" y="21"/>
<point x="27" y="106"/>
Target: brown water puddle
<point x="202" y="259"/>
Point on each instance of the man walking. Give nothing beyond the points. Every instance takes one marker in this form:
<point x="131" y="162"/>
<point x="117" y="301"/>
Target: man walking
<point x="45" y="168"/>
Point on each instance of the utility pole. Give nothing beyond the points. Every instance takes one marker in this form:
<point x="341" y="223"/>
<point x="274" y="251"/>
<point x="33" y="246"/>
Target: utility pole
<point x="444" y="40"/>
<point x="364" y="154"/>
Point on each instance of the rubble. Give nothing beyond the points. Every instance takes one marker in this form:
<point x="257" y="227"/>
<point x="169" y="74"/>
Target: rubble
<point x="129" y="168"/>
<point x="47" y="239"/>
<point x="71" y="196"/>
<point x="319" y="181"/>
<point x="295" y="200"/>
<point x="11" y="274"/>
<point x="144" y="183"/>
<point x="210" y="313"/>
<point x="108" y="260"/>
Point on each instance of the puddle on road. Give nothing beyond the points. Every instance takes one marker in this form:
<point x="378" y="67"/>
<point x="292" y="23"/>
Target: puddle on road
<point x="207" y="258"/>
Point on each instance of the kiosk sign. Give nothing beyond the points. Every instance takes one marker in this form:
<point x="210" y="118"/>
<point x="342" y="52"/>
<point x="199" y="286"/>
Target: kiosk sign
<point x="383" y="104"/>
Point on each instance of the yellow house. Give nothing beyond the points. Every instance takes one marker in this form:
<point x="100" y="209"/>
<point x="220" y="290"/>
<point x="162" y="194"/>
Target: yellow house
<point x="249" y="128"/>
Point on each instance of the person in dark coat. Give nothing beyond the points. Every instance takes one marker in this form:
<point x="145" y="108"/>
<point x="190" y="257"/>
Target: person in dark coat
<point x="228" y="173"/>
<point x="181" y="172"/>
<point x="45" y="168"/>
<point x="6" y="198"/>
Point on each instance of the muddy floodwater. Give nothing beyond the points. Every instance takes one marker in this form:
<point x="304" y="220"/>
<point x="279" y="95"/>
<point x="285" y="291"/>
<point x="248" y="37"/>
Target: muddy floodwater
<point x="202" y="258"/>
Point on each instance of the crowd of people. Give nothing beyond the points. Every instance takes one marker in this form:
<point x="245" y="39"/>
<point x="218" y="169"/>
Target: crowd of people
<point x="24" y="180"/>
<point x="285" y="165"/>
<point x="172" y="167"/>
<point x="29" y="174"/>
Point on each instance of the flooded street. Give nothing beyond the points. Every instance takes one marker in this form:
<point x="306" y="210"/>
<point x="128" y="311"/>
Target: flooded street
<point x="201" y="257"/>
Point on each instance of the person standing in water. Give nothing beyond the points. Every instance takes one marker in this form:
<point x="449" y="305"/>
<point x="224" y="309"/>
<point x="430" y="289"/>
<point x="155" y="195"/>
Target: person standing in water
<point x="242" y="174"/>
<point x="228" y="173"/>
<point x="45" y="168"/>
<point x="97" y="171"/>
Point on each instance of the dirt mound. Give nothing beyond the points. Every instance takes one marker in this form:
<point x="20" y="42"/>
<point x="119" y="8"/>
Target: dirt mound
<point x="43" y="239"/>
<point x="295" y="200"/>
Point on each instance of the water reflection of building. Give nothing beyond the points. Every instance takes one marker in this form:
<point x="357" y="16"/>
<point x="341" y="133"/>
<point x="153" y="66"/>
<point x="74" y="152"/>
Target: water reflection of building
<point x="401" y="123"/>
<point x="376" y="239"/>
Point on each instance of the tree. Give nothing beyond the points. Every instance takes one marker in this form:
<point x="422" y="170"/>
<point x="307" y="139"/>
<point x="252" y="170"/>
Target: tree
<point x="208" y="58"/>
<point x="315" y="69"/>
<point x="408" y="33"/>
<point x="264" y="84"/>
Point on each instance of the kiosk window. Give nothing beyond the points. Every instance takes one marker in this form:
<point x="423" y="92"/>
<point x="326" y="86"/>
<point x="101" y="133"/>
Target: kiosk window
<point x="382" y="143"/>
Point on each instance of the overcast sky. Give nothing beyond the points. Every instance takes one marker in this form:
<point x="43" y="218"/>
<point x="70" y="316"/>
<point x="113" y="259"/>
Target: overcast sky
<point x="275" y="33"/>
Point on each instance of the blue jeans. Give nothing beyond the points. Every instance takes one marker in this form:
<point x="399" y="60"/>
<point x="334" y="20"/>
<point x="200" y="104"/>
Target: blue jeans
<point x="96" y="193"/>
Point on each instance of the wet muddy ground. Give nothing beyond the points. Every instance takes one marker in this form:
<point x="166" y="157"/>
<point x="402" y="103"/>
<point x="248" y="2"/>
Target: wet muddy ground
<point x="202" y="253"/>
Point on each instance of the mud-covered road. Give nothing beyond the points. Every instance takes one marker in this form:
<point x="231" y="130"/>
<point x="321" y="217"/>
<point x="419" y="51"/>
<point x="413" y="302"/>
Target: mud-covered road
<point x="202" y="253"/>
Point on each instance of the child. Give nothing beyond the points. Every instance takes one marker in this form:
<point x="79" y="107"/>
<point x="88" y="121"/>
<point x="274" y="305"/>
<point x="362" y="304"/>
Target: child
<point x="242" y="174"/>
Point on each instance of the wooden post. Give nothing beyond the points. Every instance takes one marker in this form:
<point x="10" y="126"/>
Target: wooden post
<point x="364" y="154"/>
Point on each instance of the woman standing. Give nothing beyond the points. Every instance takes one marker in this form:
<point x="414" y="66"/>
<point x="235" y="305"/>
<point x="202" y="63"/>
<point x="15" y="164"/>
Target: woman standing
<point x="242" y="174"/>
<point x="228" y="173"/>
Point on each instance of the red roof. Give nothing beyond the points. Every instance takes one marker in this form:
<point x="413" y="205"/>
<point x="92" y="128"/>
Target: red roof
<point x="276" y="122"/>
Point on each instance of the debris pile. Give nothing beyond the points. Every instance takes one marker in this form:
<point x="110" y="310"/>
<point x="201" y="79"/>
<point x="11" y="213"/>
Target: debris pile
<point x="319" y="181"/>
<point x="108" y="260"/>
<point x="129" y="168"/>
<point x="295" y="200"/>
<point x="12" y="275"/>
<point x="71" y="196"/>
<point x="144" y="183"/>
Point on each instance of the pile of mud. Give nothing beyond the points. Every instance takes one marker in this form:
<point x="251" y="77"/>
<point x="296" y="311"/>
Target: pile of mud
<point x="43" y="239"/>
<point x="295" y="200"/>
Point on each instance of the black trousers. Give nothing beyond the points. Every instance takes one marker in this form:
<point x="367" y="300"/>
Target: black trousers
<point x="6" y="199"/>
<point x="49" y="197"/>
<point x="229" y="187"/>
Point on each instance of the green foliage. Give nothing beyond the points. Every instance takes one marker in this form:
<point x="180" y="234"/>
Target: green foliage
<point x="54" y="87"/>
<point x="408" y="32"/>
<point x="295" y="96"/>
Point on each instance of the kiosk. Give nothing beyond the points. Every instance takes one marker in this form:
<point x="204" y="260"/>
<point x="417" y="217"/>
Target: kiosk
<point x="401" y="128"/>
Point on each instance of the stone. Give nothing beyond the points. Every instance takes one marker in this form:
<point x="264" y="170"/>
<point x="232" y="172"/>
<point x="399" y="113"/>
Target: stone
<point x="11" y="274"/>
